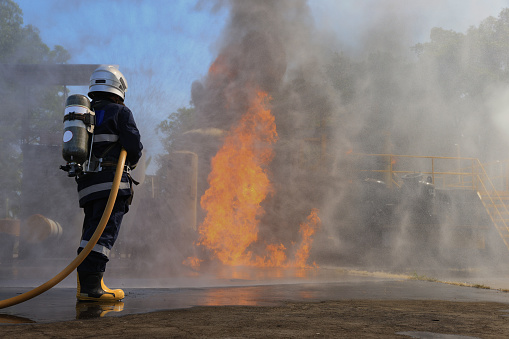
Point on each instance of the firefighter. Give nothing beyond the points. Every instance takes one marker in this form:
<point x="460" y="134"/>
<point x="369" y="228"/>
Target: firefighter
<point x="115" y="128"/>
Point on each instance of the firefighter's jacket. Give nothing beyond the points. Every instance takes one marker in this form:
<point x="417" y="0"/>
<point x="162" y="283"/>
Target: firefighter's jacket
<point x="114" y="128"/>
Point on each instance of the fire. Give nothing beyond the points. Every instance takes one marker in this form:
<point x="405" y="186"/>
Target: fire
<point x="221" y="68"/>
<point x="192" y="262"/>
<point x="239" y="182"/>
<point x="275" y="257"/>
<point x="307" y="230"/>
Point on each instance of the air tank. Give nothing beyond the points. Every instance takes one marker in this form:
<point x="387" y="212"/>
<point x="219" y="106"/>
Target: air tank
<point x="78" y="126"/>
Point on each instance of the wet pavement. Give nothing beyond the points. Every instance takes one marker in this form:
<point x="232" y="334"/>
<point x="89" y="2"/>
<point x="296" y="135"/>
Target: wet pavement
<point x="233" y="287"/>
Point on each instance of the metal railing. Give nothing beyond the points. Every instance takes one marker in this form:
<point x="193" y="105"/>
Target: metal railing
<point x="490" y="181"/>
<point x="443" y="172"/>
<point x="495" y="202"/>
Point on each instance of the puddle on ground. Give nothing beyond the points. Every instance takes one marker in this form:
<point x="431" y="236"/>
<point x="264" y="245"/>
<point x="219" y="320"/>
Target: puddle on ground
<point x="13" y="319"/>
<point x="97" y="309"/>
<point x="431" y="335"/>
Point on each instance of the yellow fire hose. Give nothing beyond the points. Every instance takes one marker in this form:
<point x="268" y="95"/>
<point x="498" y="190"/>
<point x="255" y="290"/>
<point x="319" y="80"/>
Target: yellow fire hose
<point x="84" y="253"/>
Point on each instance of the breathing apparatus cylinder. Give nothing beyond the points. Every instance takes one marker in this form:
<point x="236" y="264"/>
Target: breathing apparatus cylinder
<point x="79" y="121"/>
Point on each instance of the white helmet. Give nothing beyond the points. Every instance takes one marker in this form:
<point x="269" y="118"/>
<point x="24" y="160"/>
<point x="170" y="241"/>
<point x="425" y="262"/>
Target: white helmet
<point x="108" y="78"/>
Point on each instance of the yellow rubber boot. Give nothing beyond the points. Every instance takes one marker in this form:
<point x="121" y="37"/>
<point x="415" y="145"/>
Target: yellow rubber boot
<point x="91" y="287"/>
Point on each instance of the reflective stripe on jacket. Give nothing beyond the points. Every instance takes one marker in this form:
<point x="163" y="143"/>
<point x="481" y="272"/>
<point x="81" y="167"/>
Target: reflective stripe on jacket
<point x="97" y="188"/>
<point x="115" y="128"/>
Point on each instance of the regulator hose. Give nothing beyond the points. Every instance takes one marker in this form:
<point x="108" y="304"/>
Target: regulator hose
<point x="88" y="248"/>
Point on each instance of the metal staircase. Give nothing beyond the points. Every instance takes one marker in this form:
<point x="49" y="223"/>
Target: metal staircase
<point x="489" y="181"/>
<point x="496" y="202"/>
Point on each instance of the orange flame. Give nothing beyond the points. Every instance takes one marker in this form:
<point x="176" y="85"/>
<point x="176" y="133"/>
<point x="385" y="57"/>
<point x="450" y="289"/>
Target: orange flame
<point x="238" y="184"/>
<point x="275" y="257"/>
<point x="307" y="229"/>
<point x="220" y="67"/>
<point x="192" y="262"/>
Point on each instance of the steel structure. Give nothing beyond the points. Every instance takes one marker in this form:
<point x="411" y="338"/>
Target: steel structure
<point x="48" y="74"/>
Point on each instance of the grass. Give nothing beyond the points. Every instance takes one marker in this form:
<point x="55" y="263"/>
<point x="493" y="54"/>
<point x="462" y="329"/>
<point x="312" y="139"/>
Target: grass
<point x="416" y="276"/>
<point x="420" y="277"/>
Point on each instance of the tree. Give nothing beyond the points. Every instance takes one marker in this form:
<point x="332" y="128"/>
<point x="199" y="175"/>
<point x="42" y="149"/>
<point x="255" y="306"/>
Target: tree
<point x="464" y="70"/>
<point x="443" y="56"/>
<point x="434" y="103"/>
<point x="11" y="21"/>
<point x="27" y="112"/>
<point x="172" y="128"/>
<point x="467" y="63"/>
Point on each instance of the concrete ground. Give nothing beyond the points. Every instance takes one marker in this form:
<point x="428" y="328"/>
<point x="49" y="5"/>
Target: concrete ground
<point x="324" y="302"/>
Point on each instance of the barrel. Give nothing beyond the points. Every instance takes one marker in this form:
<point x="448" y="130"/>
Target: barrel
<point x="38" y="228"/>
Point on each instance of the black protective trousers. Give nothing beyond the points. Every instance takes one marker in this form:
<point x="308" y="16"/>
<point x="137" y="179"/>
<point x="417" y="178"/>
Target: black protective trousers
<point x="95" y="261"/>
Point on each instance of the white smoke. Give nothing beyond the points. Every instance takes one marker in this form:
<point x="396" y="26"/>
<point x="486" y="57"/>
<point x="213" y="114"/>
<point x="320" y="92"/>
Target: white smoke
<point x="293" y="48"/>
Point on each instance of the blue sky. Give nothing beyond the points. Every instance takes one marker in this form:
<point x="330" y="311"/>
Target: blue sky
<point x="162" y="46"/>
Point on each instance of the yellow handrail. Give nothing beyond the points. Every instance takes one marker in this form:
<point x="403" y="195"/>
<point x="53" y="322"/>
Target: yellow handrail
<point x="454" y="172"/>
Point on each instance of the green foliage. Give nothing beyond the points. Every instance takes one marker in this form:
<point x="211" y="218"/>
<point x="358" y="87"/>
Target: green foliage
<point x="423" y="277"/>
<point x="59" y="55"/>
<point x="467" y="63"/>
<point x="28" y="111"/>
<point x="176" y="124"/>
<point x="171" y="131"/>
<point x="432" y="102"/>
<point x="11" y="21"/>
